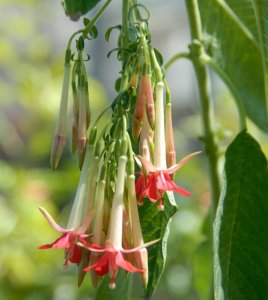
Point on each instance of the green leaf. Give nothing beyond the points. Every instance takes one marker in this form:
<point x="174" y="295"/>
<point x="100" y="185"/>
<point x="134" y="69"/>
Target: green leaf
<point x="110" y="29"/>
<point x="236" y="53"/>
<point x="241" y="226"/>
<point x="133" y="32"/>
<point x="75" y="8"/>
<point x="158" y="56"/>
<point x="254" y="15"/>
<point x="155" y="225"/>
<point x="117" y="84"/>
<point x="120" y="292"/>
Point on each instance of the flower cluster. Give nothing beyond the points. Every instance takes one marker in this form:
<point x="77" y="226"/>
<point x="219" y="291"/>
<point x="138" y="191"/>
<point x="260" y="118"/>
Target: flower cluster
<point x="104" y="232"/>
<point x="81" y="109"/>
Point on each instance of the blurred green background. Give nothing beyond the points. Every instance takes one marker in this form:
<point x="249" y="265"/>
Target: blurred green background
<point x="33" y="35"/>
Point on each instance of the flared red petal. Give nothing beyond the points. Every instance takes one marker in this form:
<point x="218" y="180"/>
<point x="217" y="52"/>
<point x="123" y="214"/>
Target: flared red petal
<point x="153" y="193"/>
<point x="121" y="262"/>
<point x="101" y="266"/>
<point x="62" y="242"/>
<point x="75" y="255"/>
<point x="171" y="186"/>
<point x="140" y="184"/>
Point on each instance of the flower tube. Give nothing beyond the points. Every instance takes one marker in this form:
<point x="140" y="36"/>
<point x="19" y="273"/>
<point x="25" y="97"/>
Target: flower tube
<point x="60" y="134"/>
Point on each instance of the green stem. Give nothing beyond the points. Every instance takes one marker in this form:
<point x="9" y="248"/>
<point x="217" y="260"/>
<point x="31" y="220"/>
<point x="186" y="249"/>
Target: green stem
<point x="125" y="40"/>
<point x="89" y="26"/>
<point x="168" y="94"/>
<point x="155" y="66"/>
<point x="239" y="104"/>
<point x="177" y="57"/>
<point x="125" y="10"/>
<point x="203" y="81"/>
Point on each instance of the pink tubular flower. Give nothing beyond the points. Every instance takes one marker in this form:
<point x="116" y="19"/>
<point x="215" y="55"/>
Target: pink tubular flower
<point x="111" y="261"/>
<point x="68" y="239"/>
<point x="113" y="254"/>
<point x="158" y="181"/>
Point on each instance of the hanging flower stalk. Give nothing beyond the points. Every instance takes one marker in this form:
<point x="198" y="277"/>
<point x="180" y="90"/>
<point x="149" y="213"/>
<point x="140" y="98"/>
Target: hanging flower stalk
<point x="104" y="231"/>
<point x="155" y="179"/>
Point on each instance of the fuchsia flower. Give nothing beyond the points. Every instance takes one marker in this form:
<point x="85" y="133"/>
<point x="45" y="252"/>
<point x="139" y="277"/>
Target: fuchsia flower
<point x="114" y="257"/>
<point x="111" y="261"/>
<point x="68" y="239"/>
<point x="158" y="181"/>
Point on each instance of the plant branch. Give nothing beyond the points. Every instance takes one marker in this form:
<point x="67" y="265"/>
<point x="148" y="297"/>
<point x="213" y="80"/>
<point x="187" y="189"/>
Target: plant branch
<point x="206" y="59"/>
<point x="89" y="26"/>
<point x="177" y="57"/>
<point x="203" y="81"/>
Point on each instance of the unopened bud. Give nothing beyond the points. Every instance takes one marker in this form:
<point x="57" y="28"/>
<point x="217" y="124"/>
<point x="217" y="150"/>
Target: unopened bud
<point x="82" y="127"/>
<point x="149" y="100"/>
<point x="134" y="80"/>
<point x="59" y="139"/>
<point x="75" y="104"/>
<point x="86" y="99"/>
<point x="138" y="113"/>
<point x="57" y="149"/>
<point x="136" y="129"/>
<point x="170" y="148"/>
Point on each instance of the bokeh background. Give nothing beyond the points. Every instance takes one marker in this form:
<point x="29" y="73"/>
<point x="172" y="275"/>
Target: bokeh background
<point x="33" y="37"/>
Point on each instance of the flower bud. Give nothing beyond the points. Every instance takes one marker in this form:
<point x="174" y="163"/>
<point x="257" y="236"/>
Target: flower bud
<point x="134" y="79"/>
<point x="159" y="133"/>
<point x="170" y="148"/>
<point x="60" y="135"/>
<point x="82" y="126"/>
<point x="86" y="95"/>
<point x="149" y="100"/>
<point x="141" y="255"/>
<point x="138" y="113"/>
<point x="144" y="148"/>
<point x="75" y="104"/>
<point x="56" y="151"/>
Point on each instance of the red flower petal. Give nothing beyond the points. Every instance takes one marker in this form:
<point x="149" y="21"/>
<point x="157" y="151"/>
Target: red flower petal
<point x="61" y="242"/>
<point x="153" y="192"/>
<point x="121" y="262"/>
<point x="171" y="186"/>
<point x="76" y="255"/>
<point x="140" y="184"/>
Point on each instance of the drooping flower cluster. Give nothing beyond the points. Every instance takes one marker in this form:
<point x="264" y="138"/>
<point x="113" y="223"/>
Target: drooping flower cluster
<point x="104" y="232"/>
<point x="81" y="110"/>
